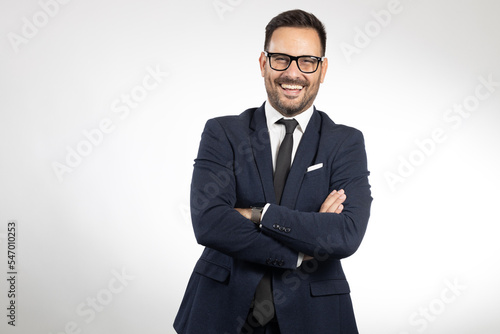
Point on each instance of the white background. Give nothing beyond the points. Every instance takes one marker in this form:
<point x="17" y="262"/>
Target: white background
<point x="124" y="207"/>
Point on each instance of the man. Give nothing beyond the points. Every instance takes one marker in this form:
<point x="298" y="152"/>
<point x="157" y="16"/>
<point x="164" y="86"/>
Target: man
<point x="279" y="195"/>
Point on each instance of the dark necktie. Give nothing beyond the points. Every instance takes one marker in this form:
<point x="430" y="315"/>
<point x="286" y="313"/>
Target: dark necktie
<point x="284" y="159"/>
<point x="263" y="310"/>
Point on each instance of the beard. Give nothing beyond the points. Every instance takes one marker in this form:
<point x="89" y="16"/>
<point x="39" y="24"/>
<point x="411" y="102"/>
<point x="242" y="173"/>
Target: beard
<point x="290" y="107"/>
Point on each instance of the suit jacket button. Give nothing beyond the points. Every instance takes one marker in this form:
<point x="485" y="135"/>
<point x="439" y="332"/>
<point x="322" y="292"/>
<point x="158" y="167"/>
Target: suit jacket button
<point x="281" y="263"/>
<point x="287" y="230"/>
<point x="269" y="261"/>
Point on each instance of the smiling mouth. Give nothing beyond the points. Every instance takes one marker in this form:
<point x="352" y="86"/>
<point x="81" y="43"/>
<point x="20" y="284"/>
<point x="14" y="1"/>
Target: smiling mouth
<point x="292" y="87"/>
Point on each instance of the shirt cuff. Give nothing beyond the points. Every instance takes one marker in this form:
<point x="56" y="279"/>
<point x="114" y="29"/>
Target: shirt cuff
<point x="300" y="259"/>
<point x="264" y="210"/>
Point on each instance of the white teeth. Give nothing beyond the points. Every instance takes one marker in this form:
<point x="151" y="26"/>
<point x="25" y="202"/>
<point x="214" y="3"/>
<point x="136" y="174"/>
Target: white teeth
<point x="291" y="86"/>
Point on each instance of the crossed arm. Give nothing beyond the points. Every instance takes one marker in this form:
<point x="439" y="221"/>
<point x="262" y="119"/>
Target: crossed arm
<point x="332" y="204"/>
<point x="336" y="229"/>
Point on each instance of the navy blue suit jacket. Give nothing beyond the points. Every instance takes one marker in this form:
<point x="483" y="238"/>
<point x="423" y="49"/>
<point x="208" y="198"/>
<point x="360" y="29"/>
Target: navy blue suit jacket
<point x="234" y="170"/>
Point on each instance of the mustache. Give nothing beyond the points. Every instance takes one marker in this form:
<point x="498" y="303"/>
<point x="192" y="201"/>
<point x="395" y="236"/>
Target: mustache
<point x="290" y="81"/>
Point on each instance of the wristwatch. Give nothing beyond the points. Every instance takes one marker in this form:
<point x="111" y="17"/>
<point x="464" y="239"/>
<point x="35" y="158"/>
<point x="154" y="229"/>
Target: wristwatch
<point x="256" y="214"/>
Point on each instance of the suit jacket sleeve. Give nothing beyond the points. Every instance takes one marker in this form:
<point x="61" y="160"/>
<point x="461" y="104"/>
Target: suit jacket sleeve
<point x="216" y="223"/>
<point x="329" y="234"/>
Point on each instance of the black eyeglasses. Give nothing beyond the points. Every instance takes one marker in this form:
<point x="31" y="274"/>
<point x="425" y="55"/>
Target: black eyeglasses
<point x="281" y="61"/>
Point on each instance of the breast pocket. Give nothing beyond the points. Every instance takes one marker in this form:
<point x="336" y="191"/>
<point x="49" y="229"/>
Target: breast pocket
<point x="314" y="173"/>
<point x="313" y="190"/>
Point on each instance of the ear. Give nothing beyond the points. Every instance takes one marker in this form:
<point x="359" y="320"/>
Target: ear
<point x="262" y="63"/>
<point x="324" y="68"/>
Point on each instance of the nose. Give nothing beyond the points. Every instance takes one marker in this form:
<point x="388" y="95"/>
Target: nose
<point x="293" y="69"/>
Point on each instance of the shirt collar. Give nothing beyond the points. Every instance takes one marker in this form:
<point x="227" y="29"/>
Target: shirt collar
<point x="272" y="115"/>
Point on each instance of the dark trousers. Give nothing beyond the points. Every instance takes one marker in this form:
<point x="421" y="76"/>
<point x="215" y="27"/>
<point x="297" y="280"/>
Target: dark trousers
<point x="251" y="326"/>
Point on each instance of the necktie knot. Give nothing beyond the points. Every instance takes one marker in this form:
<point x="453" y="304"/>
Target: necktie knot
<point x="290" y="124"/>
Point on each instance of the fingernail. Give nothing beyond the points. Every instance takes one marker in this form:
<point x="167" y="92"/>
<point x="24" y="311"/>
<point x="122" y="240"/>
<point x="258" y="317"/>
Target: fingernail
<point x="341" y="191"/>
<point x="333" y="192"/>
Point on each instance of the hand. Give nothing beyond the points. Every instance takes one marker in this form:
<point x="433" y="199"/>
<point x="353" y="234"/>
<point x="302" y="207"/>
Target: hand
<point x="333" y="202"/>
<point x="307" y="257"/>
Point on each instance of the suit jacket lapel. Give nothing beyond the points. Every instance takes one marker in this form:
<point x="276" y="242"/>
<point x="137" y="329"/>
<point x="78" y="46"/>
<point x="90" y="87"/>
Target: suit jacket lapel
<point x="259" y="139"/>
<point x="306" y="152"/>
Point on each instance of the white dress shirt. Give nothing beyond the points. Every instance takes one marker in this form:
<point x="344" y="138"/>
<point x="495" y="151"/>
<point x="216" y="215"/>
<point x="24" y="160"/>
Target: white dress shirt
<point x="277" y="131"/>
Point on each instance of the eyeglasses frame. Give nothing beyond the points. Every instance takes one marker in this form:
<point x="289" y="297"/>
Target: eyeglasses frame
<point x="292" y="58"/>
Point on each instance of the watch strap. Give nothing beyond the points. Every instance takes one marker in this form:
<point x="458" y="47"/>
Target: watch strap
<point x="256" y="214"/>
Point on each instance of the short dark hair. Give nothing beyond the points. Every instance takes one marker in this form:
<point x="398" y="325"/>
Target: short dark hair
<point x="297" y="19"/>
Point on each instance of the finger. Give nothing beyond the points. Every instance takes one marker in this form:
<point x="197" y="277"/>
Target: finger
<point x="339" y="209"/>
<point x="336" y="204"/>
<point x="338" y="200"/>
<point x="330" y="199"/>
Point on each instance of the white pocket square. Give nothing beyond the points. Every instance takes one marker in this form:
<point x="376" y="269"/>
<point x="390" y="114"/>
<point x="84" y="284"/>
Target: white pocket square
<point x="314" y="167"/>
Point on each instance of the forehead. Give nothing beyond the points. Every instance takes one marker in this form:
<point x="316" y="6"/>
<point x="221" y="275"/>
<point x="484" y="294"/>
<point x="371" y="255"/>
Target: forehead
<point x="295" y="41"/>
